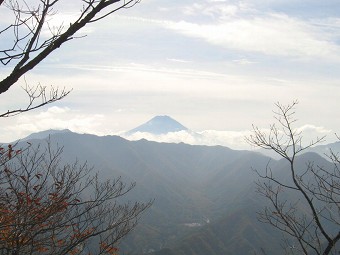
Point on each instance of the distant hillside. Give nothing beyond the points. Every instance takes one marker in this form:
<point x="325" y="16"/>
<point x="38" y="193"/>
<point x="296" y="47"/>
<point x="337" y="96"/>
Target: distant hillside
<point x="159" y="125"/>
<point x="238" y="232"/>
<point x="204" y="196"/>
<point x="324" y="150"/>
<point x="44" y="134"/>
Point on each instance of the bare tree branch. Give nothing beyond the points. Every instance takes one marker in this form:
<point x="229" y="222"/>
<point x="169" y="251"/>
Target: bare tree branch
<point x="312" y="218"/>
<point x="29" y="49"/>
<point x="36" y="94"/>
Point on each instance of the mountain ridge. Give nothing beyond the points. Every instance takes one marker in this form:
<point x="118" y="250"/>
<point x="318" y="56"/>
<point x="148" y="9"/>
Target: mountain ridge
<point x="45" y="134"/>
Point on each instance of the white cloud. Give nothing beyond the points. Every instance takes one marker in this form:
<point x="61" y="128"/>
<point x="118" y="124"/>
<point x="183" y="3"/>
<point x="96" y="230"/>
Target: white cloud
<point x="275" y="34"/>
<point x="244" y="61"/>
<point x="232" y="139"/>
<point x="311" y="133"/>
<point x="211" y="11"/>
<point x="176" y="60"/>
<point x="53" y="118"/>
<point x="216" y="9"/>
<point x="60" y="20"/>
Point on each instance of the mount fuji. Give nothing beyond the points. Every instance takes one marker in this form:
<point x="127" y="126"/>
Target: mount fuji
<point x="159" y="125"/>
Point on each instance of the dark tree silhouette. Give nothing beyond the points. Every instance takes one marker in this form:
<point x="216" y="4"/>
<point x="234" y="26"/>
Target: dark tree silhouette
<point x="50" y="208"/>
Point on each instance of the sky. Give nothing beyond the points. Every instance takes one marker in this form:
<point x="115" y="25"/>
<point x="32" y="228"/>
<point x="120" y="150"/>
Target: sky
<point x="216" y="66"/>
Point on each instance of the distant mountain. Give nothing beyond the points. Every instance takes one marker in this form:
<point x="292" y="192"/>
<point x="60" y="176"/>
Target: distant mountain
<point x="324" y="150"/>
<point x="44" y="134"/>
<point x="159" y="125"/>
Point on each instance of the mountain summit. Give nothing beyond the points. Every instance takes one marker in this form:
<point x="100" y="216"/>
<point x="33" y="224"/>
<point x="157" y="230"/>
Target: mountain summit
<point x="159" y="125"/>
<point x="45" y="134"/>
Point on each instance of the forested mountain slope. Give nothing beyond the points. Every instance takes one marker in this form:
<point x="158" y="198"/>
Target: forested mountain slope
<point x="204" y="197"/>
